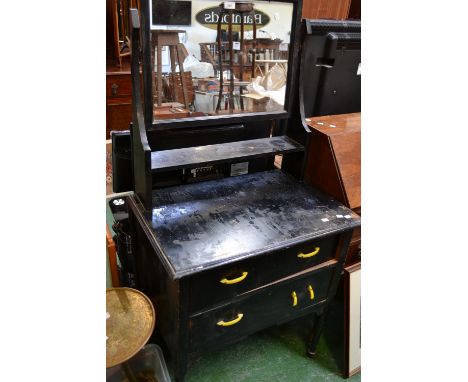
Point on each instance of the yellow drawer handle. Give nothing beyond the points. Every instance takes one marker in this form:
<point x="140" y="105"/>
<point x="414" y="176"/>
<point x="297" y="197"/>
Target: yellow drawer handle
<point x="294" y="297"/>
<point x="234" y="281"/>
<point x="311" y="291"/>
<point x="233" y="322"/>
<point x="307" y="255"/>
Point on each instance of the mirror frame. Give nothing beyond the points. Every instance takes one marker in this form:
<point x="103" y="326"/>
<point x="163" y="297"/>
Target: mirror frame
<point x="291" y="84"/>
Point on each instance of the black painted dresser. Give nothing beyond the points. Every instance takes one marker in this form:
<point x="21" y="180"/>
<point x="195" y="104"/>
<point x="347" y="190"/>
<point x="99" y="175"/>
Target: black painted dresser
<point x="224" y="243"/>
<point x="223" y="259"/>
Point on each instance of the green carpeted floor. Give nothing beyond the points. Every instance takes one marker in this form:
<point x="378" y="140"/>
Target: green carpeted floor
<point x="276" y="354"/>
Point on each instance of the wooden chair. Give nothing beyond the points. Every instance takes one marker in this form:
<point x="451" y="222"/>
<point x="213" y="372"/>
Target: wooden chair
<point x="242" y="8"/>
<point x="169" y="38"/>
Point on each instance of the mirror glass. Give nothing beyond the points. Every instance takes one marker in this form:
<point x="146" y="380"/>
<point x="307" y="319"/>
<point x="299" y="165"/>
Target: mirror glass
<point x="213" y="58"/>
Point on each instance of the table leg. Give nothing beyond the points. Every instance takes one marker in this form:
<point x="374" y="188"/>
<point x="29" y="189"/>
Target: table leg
<point x="254" y="44"/>
<point x="182" y="75"/>
<point x="241" y="53"/>
<point x="172" y="53"/>
<point x="231" y="63"/>
<point x="159" y="73"/>
<point x="317" y="331"/>
<point x="220" y="61"/>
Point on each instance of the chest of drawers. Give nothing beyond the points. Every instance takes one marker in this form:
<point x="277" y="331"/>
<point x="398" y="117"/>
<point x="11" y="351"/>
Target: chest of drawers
<point x="223" y="259"/>
<point x="118" y="101"/>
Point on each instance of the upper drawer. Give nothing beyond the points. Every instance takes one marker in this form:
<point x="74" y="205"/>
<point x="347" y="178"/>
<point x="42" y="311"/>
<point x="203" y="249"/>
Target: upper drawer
<point x="118" y="86"/>
<point x="274" y="304"/>
<point x="223" y="283"/>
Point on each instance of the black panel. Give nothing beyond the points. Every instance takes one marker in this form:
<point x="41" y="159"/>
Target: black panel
<point x="331" y="68"/>
<point x="122" y="179"/>
<point x="172" y="12"/>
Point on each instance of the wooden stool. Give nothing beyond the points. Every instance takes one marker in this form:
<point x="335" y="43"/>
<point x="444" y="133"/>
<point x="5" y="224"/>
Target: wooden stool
<point x="169" y="38"/>
<point x="242" y="8"/>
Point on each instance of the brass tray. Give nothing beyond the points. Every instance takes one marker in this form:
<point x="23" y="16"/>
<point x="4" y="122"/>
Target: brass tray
<point x="130" y="324"/>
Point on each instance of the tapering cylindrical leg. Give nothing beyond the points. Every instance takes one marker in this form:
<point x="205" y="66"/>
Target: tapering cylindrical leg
<point x="220" y="61"/>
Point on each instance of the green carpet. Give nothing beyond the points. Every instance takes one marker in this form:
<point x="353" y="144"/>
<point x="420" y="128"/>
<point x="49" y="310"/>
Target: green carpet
<point x="276" y="354"/>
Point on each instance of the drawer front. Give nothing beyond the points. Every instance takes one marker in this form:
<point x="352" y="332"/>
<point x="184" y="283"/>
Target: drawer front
<point x="119" y="86"/>
<point x="274" y="304"/>
<point x="224" y="283"/>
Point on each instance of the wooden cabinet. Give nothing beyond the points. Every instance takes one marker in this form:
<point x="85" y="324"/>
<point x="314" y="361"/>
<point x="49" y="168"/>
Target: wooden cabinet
<point x="334" y="162"/>
<point x="118" y="99"/>
<point x="331" y="9"/>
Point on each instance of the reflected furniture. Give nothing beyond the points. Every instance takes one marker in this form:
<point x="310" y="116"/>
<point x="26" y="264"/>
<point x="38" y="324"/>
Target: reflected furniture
<point x="209" y="53"/>
<point x="118" y="98"/>
<point x="168" y="38"/>
<point x="282" y="63"/>
<point x="243" y="9"/>
<point x="118" y="34"/>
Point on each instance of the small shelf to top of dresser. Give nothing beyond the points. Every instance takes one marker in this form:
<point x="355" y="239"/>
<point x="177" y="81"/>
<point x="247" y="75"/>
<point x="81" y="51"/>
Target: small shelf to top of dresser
<point x="222" y="152"/>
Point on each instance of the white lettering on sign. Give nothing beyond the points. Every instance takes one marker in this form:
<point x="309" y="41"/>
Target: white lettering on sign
<point x="213" y="18"/>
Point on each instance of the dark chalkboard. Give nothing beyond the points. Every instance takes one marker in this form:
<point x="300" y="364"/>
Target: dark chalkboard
<point x="171" y="12"/>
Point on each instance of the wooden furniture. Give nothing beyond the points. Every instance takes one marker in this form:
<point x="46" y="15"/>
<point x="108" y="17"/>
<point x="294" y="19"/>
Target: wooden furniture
<point x="118" y="98"/>
<point x="118" y="30"/>
<point x="334" y="163"/>
<point x="170" y="110"/>
<point x="232" y="245"/>
<point x="169" y="38"/>
<point x="343" y="326"/>
<point x="209" y="53"/>
<point x="329" y="9"/>
<point x="355" y="10"/>
<point x="243" y="9"/>
<point x="112" y="258"/>
<point x="176" y="87"/>
<point x="282" y="63"/>
<point x="334" y="166"/>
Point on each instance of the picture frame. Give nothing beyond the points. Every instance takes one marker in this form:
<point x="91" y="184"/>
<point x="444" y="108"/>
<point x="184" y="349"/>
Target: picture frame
<point x="342" y="330"/>
<point x="352" y="283"/>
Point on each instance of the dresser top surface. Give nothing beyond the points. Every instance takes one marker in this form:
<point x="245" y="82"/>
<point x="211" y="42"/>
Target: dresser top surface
<point x="204" y="225"/>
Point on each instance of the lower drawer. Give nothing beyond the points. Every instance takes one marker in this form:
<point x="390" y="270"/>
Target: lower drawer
<point x="274" y="304"/>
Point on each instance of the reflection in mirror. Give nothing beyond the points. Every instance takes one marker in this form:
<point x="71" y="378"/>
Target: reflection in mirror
<point x="120" y="15"/>
<point x="213" y="58"/>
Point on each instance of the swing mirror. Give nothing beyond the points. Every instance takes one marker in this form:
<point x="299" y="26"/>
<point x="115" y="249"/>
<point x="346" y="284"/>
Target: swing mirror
<point x="212" y="59"/>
